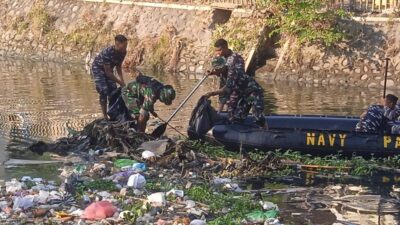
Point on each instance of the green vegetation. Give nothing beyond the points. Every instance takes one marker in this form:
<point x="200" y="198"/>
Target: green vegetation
<point x="41" y="20"/>
<point x="158" y="58"/>
<point x="20" y="24"/>
<point x="306" y="21"/>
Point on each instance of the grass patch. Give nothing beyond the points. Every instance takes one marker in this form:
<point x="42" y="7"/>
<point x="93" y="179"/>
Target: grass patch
<point x="41" y="20"/>
<point x="158" y="58"/>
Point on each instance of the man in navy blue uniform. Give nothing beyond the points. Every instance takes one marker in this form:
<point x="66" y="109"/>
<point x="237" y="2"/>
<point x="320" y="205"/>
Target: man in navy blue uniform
<point x="103" y="70"/>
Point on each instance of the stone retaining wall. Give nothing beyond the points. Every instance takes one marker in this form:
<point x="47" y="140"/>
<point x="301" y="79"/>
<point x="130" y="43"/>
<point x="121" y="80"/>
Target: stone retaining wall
<point x="178" y="38"/>
<point x="358" y="62"/>
<point x="67" y="31"/>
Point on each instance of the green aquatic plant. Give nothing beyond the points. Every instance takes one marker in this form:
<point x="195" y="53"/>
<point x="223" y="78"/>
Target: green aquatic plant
<point x="237" y="204"/>
<point x="213" y="150"/>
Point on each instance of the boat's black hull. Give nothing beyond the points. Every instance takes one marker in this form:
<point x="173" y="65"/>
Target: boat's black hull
<point x="312" y="134"/>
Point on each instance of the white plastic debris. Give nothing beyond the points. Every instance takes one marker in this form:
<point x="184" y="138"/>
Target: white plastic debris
<point x="272" y="221"/>
<point x="218" y="181"/>
<point x="196" y="212"/>
<point x="190" y="204"/>
<point x="26" y="178"/>
<point x="178" y="193"/>
<point x="137" y="192"/>
<point x="43" y="196"/>
<point x="77" y="213"/>
<point x="148" y="154"/>
<point x="233" y="187"/>
<point x="23" y="202"/>
<point x="268" y="205"/>
<point x="37" y="180"/>
<point x="157" y="199"/>
<point x="198" y="222"/>
<point x="3" y="215"/>
<point x="137" y="181"/>
<point x="104" y="194"/>
<point x="3" y="204"/>
<point x="13" y="186"/>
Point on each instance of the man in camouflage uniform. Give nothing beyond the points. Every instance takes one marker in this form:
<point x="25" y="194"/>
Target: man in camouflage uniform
<point x="234" y="63"/>
<point x="381" y="118"/>
<point x="244" y="93"/>
<point x="140" y="96"/>
<point x="103" y="70"/>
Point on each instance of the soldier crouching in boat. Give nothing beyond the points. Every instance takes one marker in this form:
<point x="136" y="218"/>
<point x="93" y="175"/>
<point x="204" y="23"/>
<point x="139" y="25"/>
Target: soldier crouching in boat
<point x="381" y="118"/>
<point x="244" y="93"/>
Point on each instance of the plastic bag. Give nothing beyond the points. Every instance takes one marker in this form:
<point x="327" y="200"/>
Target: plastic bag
<point x="13" y="186"/>
<point x="198" y="222"/>
<point x="137" y="181"/>
<point x="139" y="167"/>
<point x="157" y="199"/>
<point x="23" y="202"/>
<point x="178" y="193"/>
<point x="43" y="196"/>
<point x="119" y="163"/>
<point x="259" y="216"/>
<point x="99" y="210"/>
<point x="148" y="154"/>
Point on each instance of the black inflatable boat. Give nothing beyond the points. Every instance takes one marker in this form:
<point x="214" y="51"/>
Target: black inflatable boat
<point x="311" y="134"/>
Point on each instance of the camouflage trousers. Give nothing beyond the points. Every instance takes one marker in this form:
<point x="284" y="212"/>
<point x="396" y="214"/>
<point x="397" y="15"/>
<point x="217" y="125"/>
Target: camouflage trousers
<point x="239" y="107"/>
<point x="104" y="86"/>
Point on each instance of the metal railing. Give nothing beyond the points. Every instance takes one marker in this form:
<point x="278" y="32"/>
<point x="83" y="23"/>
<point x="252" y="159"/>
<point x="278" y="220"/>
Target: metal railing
<point x="232" y="3"/>
<point x="378" y="6"/>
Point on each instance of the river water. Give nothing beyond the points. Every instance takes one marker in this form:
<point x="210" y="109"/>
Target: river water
<point x="39" y="100"/>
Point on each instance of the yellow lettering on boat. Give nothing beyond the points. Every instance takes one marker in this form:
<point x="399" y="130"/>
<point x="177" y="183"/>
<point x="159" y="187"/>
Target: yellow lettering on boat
<point x="321" y="140"/>
<point x="385" y="179"/>
<point x="396" y="179"/>
<point x="386" y="141"/>
<point x="310" y="138"/>
<point x="332" y="138"/>
<point x="342" y="138"/>
<point x="397" y="142"/>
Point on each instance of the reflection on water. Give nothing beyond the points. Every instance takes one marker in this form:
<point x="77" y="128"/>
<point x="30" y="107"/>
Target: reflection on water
<point x="39" y="100"/>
